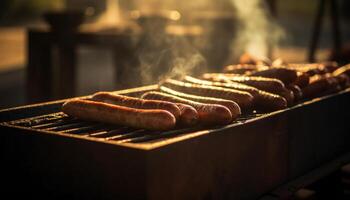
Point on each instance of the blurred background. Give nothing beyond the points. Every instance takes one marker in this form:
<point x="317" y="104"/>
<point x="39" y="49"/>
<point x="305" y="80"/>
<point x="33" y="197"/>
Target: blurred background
<point x="86" y="46"/>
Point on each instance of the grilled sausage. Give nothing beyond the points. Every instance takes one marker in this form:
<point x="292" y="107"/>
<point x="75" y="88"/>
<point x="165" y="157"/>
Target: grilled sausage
<point x="344" y="80"/>
<point x="309" y="68"/>
<point x="266" y="84"/>
<point x="297" y="93"/>
<point x="288" y="95"/>
<point x="264" y="100"/>
<point x="334" y="85"/>
<point x="302" y="80"/>
<point x="108" y="113"/>
<point x="330" y="66"/>
<point x="287" y="76"/>
<point x="244" y="99"/>
<point x="231" y="105"/>
<point x="242" y="68"/>
<point x="189" y="116"/>
<point x="342" y="70"/>
<point x="209" y="114"/>
<point x="133" y="102"/>
<point x="317" y="87"/>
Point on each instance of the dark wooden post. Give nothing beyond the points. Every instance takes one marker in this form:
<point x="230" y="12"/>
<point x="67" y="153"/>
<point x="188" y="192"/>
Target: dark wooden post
<point x="39" y="70"/>
<point x="65" y="45"/>
<point x="335" y="27"/>
<point x="127" y="67"/>
<point x="318" y="27"/>
<point x="316" y="30"/>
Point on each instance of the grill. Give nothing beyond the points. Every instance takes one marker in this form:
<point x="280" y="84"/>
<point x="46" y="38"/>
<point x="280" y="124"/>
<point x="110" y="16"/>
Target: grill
<point x="61" y="123"/>
<point x="50" y="154"/>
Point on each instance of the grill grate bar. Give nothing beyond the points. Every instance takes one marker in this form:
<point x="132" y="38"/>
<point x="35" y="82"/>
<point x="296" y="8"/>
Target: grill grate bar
<point x="111" y="132"/>
<point x="60" y="122"/>
<point x="126" y="135"/>
<point x="86" y="129"/>
<point x="42" y="119"/>
<point x="160" y="135"/>
<point x="68" y="126"/>
<point x="57" y="123"/>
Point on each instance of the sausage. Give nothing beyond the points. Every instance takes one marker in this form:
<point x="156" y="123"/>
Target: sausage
<point x="262" y="83"/>
<point x="209" y="114"/>
<point x="189" y="116"/>
<point x="317" y="87"/>
<point x="287" y="76"/>
<point x="309" y="68"/>
<point x="271" y="102"/>
<point x="334" y="85"/>
<point x="297" y="93"/>
<point x="344" y="81"/>
<point x="330" y="66"/>
<point x="342" y="70"/>
<point x="302" y="80"/>
<point x="242" y="68"/>
<point x="108" y="113"/>
<point x="288" y="95"/>
<point x="243" y="99"/>
<point x="231" y="105"/>
<point x="264" y="100"/>
<point x="133" y="102"/>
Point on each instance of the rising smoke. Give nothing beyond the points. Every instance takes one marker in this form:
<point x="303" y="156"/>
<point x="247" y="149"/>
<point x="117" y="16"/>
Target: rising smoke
<point x="163" y="55"/>
<point x="257" y="31"/>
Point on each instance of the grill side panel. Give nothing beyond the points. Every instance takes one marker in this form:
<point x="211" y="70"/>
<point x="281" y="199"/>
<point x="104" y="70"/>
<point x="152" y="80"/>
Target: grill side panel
<point x="318" y="132"/>
<point x="237" y="163"/>
<point x="48" y="166"/>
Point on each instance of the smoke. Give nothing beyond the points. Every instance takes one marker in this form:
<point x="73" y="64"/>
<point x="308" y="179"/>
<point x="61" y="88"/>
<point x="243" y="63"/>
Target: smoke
<point x="166" y="49"/>
<point x="257" y="30"/>
<point x="168" y="56"/>
<point x="162" y="54"/>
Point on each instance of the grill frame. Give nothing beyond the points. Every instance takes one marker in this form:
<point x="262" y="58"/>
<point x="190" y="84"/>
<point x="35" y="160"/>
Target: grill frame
<point x="234" y="161"/>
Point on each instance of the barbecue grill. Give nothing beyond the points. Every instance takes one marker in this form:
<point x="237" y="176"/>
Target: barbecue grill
<point x="49" y="154"/>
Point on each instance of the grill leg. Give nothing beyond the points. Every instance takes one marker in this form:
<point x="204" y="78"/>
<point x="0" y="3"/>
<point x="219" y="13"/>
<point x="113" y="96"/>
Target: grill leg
<point x="318" y="27"/>
<point x="316" y="30"/>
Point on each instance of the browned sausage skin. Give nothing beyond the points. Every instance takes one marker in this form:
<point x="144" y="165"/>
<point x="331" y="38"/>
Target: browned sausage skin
<point x="302" y="80"/>
<point x="243" y="99"/>
<point x="342" y="70"/>
<point x="287" y="76"/>
<point x="209" y="114"/>
<point x="266" y="84"/>
<point x="297" y="93"/>
<point x="264" y="100"/>
<point x="231" y="105"/>
<point x="242" y="68"/>
<point x="108" y="113"/>
<point x="189" y="116"/>
<point x="121" y="100"/>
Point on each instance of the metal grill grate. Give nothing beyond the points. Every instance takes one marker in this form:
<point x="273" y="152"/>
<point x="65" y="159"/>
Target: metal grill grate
<point x="62" y="123"/>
